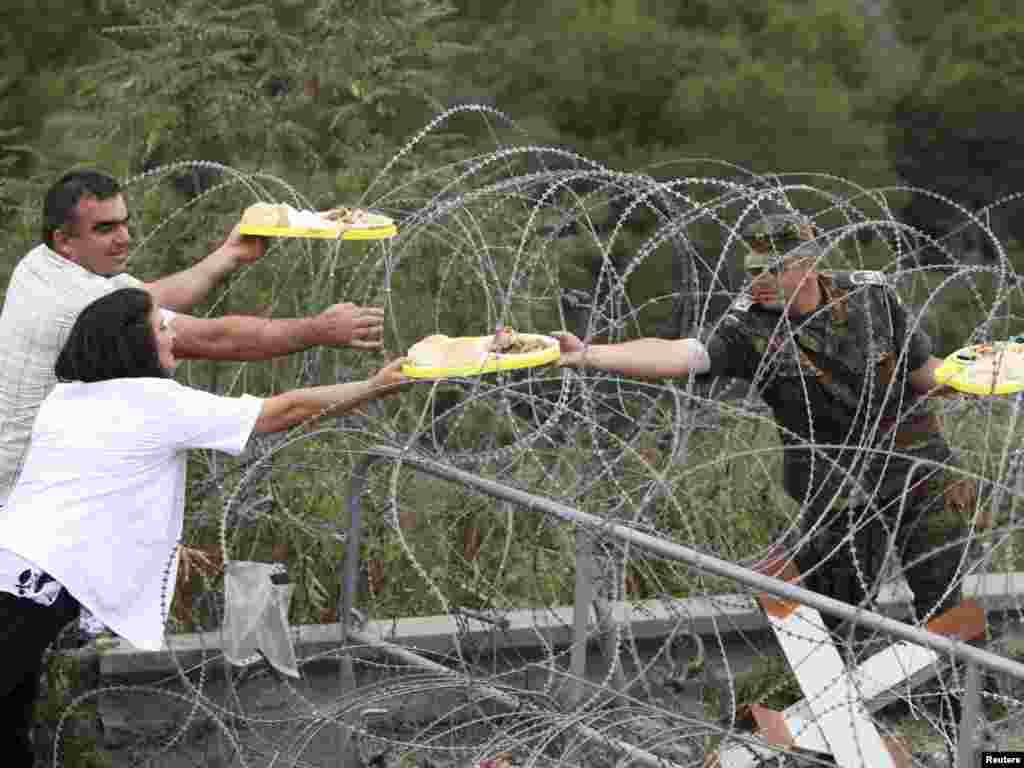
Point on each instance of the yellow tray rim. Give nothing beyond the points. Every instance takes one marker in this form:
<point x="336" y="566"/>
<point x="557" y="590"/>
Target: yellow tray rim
<point x="493" y="364"/>
<point x="361" y="233"/>
<point x="952" y="371"/>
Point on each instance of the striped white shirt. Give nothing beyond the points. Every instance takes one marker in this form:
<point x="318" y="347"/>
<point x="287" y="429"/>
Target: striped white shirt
<point x="44" y="298"/>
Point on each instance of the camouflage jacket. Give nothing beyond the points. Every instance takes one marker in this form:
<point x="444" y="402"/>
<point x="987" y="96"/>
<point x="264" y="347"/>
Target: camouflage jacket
<point x="837" y="383"/>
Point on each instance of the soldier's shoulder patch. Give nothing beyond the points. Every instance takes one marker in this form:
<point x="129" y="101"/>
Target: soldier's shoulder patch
<point x="868" y="277"/>
<point x="738" y="310"/>
<point x="741" y="304"/>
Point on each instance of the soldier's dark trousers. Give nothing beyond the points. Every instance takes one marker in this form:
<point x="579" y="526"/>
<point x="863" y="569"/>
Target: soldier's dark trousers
<point x="26" y="630"/>
<point x="925" y="531"/>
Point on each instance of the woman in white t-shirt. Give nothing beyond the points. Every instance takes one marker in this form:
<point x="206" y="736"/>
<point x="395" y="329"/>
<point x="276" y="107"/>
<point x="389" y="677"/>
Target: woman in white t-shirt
<point x="97" y="513"/>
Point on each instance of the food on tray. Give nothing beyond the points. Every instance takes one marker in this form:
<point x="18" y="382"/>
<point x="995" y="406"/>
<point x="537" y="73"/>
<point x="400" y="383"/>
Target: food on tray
<point x="995" y="368"/>
<point x="265" y="215"/>
<point x="508" y="342"/>
<point x="440" y="351"/>
<point x="284" y="215"/>
<point x="446" y="352"/>
<point x="999" y="367"/>
<point x="349" y="217"/>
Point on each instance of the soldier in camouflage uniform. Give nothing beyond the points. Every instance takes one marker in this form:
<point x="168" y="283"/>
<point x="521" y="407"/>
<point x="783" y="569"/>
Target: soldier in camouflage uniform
<point x="846" y="382"/>
<point x="846" y="377"/>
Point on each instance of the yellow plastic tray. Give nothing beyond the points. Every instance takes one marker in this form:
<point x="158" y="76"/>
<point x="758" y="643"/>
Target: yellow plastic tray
<point x="492" y="364"/>
<point x="959" y="372"/>
<point x="368" y="232"/>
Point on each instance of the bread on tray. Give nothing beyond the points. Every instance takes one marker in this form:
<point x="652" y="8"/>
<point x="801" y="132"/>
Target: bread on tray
<point x="339" y="219"/>
<point x="441" y="351"/>
<point x="265" y="215"/>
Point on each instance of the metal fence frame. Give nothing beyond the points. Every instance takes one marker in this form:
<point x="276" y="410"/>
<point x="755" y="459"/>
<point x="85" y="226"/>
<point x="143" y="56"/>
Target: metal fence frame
<point x="973" y="657"/>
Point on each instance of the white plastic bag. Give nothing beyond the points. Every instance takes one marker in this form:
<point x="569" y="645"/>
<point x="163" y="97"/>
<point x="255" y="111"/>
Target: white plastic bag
<point x="256" y="616"/>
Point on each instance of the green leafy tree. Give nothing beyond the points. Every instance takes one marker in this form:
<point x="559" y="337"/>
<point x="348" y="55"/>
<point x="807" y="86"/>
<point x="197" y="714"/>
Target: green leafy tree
<point x="273" y="84"/>
<point x="772" y="86"/>
<point x="39" y="41"/>
<point x="958" y="130"/>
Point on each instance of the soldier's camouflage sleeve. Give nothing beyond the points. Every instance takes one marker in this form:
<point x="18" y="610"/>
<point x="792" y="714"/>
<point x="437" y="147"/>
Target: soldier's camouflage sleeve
<point x="907" y="332"/>
<point x="731" y="348"/>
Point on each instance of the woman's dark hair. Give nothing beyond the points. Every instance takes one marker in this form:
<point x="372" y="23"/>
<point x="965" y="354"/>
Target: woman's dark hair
<point x="112" y="339"/>
<point x="61" y="200"/>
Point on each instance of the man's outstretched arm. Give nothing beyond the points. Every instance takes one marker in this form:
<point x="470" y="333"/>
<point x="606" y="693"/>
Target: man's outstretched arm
<point x="640" y="359"/>
<point x="183" y="290"/>
<point x="241" y="337"/>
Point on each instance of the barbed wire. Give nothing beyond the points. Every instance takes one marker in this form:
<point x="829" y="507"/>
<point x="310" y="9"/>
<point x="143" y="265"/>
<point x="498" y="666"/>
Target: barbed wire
<point x="543" y="239"/>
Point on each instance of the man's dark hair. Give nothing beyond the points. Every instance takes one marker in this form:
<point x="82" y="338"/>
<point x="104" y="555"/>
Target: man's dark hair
<point x="112" y="339"/>
<point x="62" y="198"/>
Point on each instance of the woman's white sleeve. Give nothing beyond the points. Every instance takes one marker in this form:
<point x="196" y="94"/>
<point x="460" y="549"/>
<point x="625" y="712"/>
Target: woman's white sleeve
<point x="215" y="422"/>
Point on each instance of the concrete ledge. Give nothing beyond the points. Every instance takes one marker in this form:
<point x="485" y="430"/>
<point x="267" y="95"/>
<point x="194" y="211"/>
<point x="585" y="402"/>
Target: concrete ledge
<point x="996" y="591"/>
<point x="436" y="635"/>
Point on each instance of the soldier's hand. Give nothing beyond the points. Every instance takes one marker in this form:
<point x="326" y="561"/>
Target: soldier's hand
<point x="571" y="348"/>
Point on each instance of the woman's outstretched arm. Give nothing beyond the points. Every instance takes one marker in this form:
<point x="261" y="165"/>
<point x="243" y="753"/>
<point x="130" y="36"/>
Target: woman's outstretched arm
<point x="291" y="408"/>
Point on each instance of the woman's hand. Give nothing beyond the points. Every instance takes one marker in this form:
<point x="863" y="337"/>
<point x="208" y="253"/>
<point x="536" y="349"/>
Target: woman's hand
<point x="390" y="378"/>
<point x="289" y="409"/>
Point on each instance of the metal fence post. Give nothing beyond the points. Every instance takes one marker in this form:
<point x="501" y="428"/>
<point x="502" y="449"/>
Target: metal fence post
<point x="583" y="596"/>
<point x="969" y="717"/>
<point x="350" y="576"/>
<point x="609" y="645"/>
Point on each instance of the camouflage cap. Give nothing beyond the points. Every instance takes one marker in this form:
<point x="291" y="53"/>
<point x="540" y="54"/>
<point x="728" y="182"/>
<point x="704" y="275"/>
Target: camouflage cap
<point x="763" y="232"/>
<point x="776" y="236"/>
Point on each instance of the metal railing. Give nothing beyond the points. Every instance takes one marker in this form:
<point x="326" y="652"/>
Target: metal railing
<point x="974" y="657"/>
